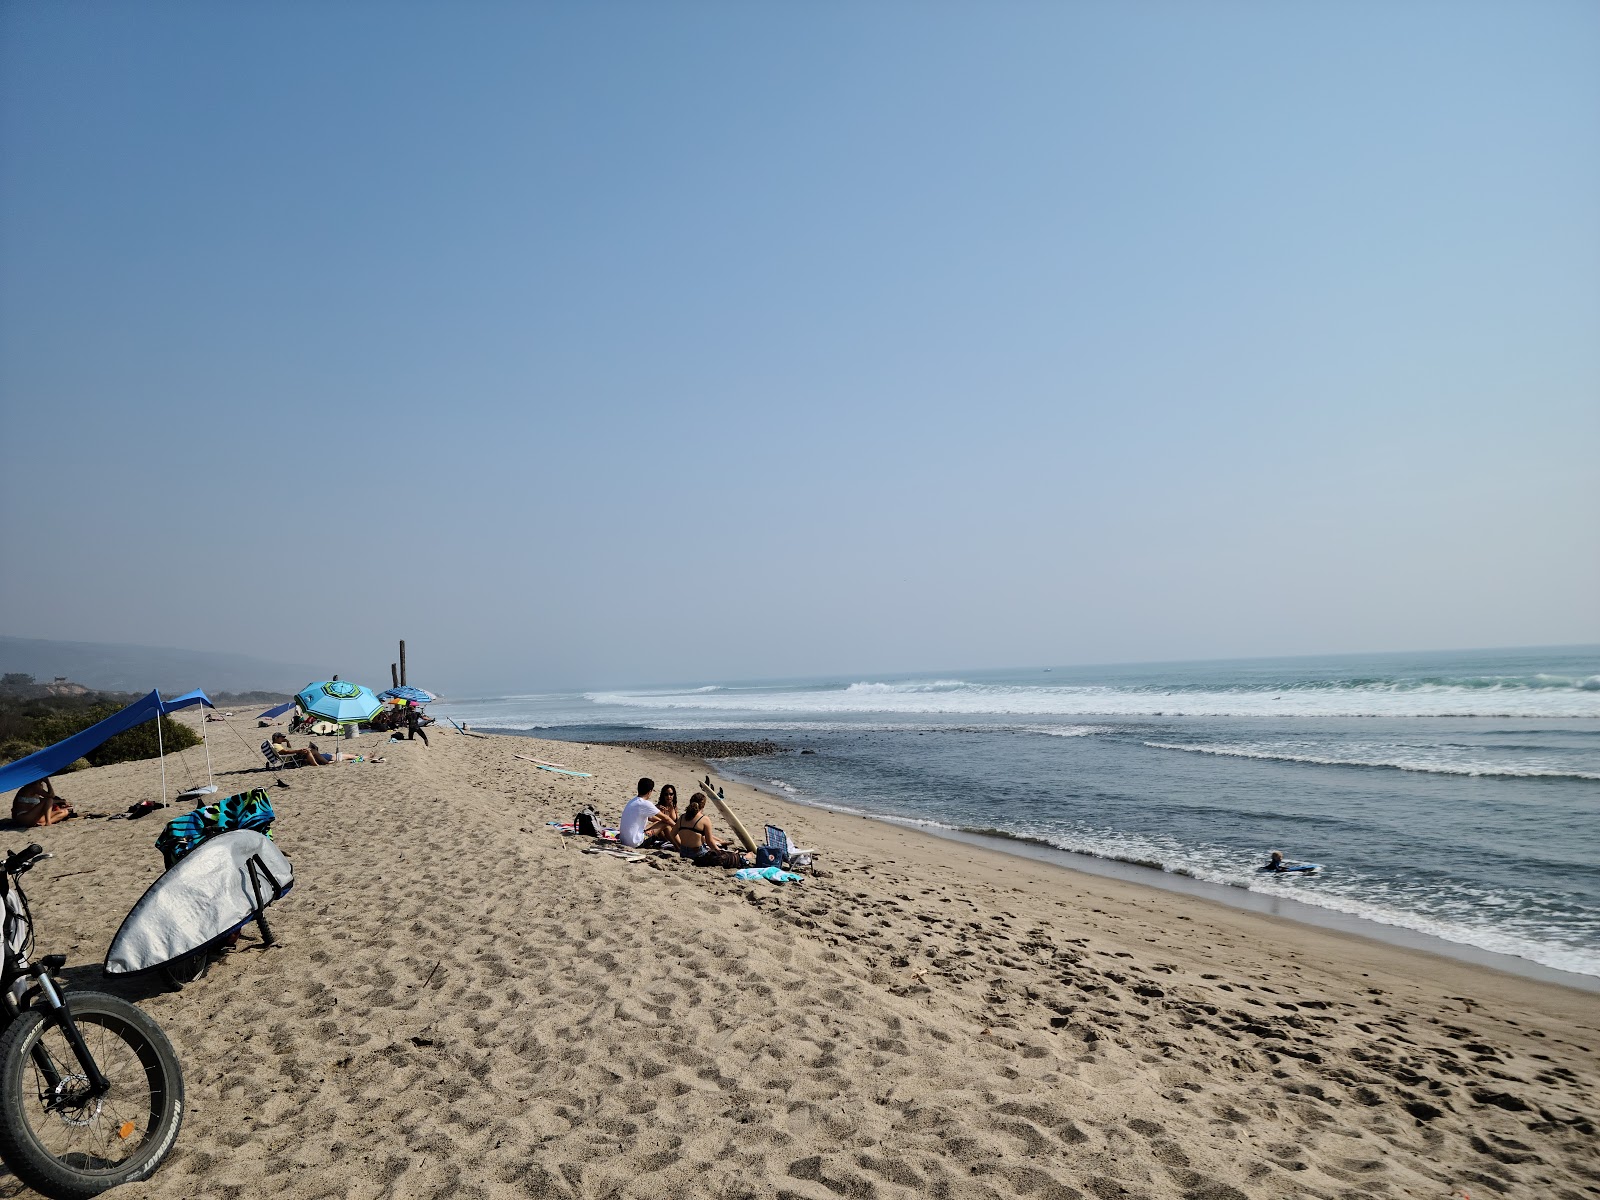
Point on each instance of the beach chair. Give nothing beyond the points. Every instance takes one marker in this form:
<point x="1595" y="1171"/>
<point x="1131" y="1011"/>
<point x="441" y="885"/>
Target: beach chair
<point x="275" y="761"/>
<point x="778" y="841"/>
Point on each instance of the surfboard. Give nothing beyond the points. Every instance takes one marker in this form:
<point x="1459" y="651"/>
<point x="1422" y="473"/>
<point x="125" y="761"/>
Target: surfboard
<point x="205" y="896"/>
<point x="1293" y="868"/>
<point x="556" y="768"/>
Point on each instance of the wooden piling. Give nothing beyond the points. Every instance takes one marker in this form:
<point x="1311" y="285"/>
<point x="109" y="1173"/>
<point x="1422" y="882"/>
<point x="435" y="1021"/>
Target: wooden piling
<point x="402" y="663"/>
<point x="394" y="675"/>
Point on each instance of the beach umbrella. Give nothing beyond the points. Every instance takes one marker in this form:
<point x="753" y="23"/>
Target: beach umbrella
<point x="415" y="695"/>
<point x="340" y="701"/>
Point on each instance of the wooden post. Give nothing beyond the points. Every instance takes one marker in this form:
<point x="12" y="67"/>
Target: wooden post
<point x="402" y="662"/>
<point x="394" y="675"/>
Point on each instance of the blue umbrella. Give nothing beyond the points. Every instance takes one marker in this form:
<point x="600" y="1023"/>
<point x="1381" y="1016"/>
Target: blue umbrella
<point x="340" y="701"/>
<point x="415" y="695"/>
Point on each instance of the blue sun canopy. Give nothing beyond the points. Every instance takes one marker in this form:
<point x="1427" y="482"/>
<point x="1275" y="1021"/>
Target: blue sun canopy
<point x="50" y="760"/>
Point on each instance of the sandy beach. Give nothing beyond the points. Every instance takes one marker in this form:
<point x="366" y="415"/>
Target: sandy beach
<point x="464" y="1004"/>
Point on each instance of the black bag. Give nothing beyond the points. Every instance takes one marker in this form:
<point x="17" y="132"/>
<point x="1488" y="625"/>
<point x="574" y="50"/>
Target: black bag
<point x="587" y="823"/>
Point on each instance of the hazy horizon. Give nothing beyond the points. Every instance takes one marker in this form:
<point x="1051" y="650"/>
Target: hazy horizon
<point x="653" y="343"/>
<point x="191" y="671"/>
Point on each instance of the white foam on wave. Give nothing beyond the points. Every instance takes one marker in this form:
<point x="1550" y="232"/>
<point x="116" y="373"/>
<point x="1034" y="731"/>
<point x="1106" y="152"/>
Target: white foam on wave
<point x="1066" y="731"/>
<point x="954" y="697"/>
<point x="1394" y="763"/>
<point x="1328" y="890"/>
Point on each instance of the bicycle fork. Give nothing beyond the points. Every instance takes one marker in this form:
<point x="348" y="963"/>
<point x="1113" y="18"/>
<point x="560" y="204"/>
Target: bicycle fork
<point x="60" y="1015"/>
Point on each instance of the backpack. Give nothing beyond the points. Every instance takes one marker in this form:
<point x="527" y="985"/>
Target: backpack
<point x="587" y="823"/>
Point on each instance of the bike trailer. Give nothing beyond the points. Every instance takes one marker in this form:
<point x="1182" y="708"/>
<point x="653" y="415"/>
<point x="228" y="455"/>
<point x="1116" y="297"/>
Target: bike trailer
<point x="215" y="888"/>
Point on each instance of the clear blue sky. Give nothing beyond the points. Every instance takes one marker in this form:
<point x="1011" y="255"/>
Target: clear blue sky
<point x="622" y="342"/>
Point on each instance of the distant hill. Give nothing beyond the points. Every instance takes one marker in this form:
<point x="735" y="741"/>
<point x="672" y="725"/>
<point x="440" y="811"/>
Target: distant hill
<point x="115" y="667"/>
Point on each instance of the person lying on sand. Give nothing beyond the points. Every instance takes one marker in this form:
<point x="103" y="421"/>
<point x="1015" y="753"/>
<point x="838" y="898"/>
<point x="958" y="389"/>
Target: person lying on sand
<point x="37" y="804"/>
<point x="322" y="760"/>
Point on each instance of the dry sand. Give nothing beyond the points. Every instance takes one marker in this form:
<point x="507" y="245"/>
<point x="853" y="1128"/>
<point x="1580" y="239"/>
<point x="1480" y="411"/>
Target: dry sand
<point x="466" y="1005"/>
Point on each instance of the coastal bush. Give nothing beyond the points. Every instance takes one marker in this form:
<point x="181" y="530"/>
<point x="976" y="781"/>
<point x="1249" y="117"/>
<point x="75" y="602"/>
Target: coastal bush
<point x="14" y="748"/>
<point x="138" y="742"/>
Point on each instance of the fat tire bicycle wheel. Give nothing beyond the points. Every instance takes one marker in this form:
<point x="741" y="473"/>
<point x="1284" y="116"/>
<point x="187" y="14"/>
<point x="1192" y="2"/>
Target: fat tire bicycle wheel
<point x="188" y="968"/>
<point x="59" y="1141"/>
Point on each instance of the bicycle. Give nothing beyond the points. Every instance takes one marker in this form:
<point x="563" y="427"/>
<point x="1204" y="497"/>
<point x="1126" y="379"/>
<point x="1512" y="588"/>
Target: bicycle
<point x="91" y="1093"/>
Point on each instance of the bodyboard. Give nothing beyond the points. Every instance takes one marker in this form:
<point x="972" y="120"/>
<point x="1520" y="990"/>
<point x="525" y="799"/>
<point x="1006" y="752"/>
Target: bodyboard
<point x="205" y="896"/>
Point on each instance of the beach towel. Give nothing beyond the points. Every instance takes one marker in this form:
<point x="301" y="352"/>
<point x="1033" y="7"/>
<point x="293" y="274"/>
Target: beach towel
<point x="770" y="874"/>
<point x="247" y="810"/>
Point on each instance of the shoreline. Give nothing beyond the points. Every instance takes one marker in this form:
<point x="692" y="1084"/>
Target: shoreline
<point x="1139" y="875"/>
<point x="1243" y="899"/>
<point x="466" y="1002"/>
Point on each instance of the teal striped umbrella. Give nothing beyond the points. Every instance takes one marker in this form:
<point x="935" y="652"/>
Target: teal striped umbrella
<point x="340" y="701"/>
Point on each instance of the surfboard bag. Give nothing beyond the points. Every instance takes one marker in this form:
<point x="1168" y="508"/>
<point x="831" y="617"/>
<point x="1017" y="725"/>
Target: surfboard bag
<point x="247" y="810"/>
<point x="215" y="889"/>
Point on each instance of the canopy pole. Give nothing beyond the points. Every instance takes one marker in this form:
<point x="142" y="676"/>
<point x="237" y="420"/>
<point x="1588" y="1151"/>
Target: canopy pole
<point x="161" y="750"/>
<point x="206" y="742"/>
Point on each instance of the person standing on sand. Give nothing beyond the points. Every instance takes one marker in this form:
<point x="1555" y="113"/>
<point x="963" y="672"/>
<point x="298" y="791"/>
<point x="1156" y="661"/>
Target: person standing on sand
<point x="414" y="725"/>
<point x="636" y="814"/>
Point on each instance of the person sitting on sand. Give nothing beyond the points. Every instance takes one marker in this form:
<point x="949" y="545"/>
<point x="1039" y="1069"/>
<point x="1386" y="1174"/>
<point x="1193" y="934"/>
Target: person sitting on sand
<point x="694" y="837"/>
<point x="637" y="813"/>
<point x="658" y="830"/>
<point x="36" y="803"/>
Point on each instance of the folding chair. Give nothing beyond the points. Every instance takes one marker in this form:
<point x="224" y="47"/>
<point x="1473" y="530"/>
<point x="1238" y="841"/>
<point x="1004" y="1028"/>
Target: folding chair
<point x="791" y="854"/>
<point x="275" y="762"/>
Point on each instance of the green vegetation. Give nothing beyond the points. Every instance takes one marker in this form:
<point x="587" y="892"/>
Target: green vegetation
<point x="31" y="724"/>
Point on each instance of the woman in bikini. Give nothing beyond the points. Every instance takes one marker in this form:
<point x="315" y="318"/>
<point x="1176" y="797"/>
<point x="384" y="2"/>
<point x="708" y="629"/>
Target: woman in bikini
<point x="694" y="838"/>
<point x="37" y="804"/>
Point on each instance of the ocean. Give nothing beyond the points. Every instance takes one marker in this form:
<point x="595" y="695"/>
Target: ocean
<point x="1451" y="794"/>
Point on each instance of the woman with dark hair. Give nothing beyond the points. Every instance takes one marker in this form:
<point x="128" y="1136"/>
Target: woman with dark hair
<point x="659" y="829"/>
<point x="37" y="804"/>
<point x="695" y="839"/>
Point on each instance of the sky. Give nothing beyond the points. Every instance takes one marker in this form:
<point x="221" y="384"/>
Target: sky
<point x="637" y="342"/>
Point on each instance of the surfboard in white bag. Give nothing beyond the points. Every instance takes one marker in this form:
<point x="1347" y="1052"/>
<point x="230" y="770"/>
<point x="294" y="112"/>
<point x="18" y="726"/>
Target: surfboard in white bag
<point x="206" y="895"/>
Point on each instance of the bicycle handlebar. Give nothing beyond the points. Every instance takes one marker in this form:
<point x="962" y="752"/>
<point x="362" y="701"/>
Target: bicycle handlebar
<point x="20" y="861"/>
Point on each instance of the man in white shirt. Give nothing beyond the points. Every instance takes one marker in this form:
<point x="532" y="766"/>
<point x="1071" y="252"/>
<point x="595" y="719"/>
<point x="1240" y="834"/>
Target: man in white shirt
<point x="636" y="814"/>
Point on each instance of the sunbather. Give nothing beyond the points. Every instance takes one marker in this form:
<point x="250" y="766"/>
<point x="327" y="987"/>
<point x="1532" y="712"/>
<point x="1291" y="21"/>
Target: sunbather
<point x="37" y="804"/>
<point x="695" y="839"/>
<point x="321" y="760"/>
<point x="658" y="830"/>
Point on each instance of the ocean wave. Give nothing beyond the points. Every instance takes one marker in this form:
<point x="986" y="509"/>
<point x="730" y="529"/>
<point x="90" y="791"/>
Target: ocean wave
<point x="1477" y="770"/>
<point x="958" y="698"/>
<point x="896" y="689"/>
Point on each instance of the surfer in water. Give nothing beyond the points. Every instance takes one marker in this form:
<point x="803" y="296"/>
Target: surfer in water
<point x="1275" y="863"/>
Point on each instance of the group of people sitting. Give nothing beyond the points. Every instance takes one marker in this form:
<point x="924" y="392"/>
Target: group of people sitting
<point x="650" y="821"/>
